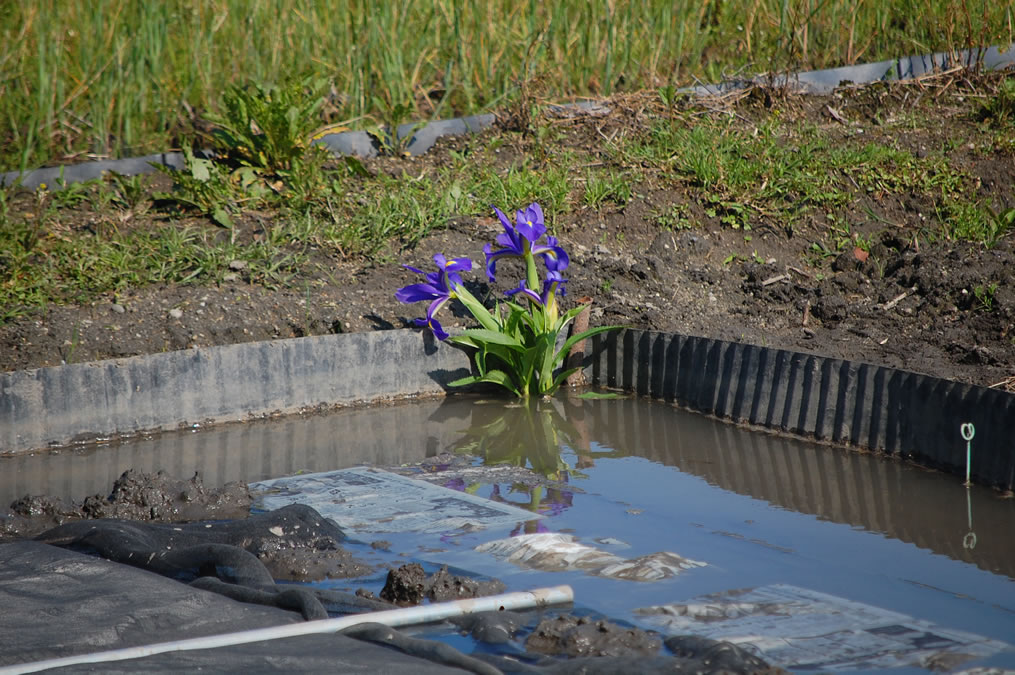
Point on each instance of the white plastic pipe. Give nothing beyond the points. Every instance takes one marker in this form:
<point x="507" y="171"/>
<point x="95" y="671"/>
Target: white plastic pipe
<point x="407" y="616"/>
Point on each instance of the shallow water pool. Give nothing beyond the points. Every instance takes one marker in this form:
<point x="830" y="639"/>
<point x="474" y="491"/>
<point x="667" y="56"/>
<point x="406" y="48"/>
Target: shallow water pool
<point x="864" y="561"/>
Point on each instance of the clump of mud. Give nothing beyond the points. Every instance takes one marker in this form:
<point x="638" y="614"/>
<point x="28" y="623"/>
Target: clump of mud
<point x="409" y="585"/>
<point x="717" y="655"/>
<point x="581" y="636"/>
<point x="135" y="496"/>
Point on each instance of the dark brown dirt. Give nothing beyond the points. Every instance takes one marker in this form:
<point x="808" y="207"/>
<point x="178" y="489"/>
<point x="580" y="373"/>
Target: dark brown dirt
<point x="135" y="495"/>
<point x="906" y="304"/>
<point x="156" y="498"/>
<point x="580" y="636"/>
<point x="409" y="585"/>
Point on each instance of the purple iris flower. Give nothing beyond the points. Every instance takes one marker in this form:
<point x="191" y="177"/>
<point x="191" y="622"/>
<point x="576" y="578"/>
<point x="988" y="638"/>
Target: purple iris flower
<point x="529" y="223"/>
<point x="553" y="255"/>
<point x="553" y="283"/>
<point x="516" y="239"/>
<point x="438" y="289"/>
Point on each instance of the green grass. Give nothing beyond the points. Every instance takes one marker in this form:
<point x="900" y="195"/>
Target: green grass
<point x="738" y="171"/>
<point x="45" y="257"/>
<point x="44" y="270"/>
<point x="104" y="237"/>
<point x="123" y="77"/>
<point x="606" y="186"/>
<point x="789" y="171"/>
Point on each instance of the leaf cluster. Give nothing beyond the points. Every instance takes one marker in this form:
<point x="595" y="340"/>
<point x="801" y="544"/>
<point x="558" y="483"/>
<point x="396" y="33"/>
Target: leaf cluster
<point x="208" y="187"/>
<point x="518" y="351"/>
<point x="267" y="127"/>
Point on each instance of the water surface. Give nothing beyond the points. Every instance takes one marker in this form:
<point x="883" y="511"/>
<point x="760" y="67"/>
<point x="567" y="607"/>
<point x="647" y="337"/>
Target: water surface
<point x="632" y="478"/>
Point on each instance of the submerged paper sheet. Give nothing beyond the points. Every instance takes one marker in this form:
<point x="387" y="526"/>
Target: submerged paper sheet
<point x="371" y="500"/>
<point x="560" y="552"/>
<point x="800" y="628"/>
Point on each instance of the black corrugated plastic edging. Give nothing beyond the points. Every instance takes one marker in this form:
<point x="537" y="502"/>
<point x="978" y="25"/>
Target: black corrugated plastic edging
<point x="900" y="413"/>
<point x="848" y="403"/>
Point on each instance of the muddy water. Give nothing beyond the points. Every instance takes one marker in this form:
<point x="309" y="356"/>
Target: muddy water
<point x="632" y="478"/>
<point x="381" y="435"/>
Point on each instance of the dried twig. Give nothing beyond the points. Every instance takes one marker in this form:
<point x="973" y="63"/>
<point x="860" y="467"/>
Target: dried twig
<point x="800" y="272"/>
<point x="1008" y="384"/>
<point x="836" y="115"/>
<point x="776" y="279"/>
<point x="897" y="299"/>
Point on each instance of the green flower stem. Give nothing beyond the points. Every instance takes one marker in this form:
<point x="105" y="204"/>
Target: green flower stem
<point x="536" y="498"/>
<point x="531" y="275"/>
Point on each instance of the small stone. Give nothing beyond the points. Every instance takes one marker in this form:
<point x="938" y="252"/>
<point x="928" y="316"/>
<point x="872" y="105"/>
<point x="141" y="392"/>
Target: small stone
<point x="117" y="308"/>
<point x="230" y="277"/>
<point x="176" y="313"/>
<point x="238" y="265"/>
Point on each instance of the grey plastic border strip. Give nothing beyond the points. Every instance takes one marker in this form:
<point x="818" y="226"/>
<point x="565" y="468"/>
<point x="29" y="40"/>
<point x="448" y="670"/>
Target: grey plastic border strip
<point x="421" y="137"/>
<point x="121" y="397"/>
<point x="904" y="414"/>
<point x="906" y="68"/>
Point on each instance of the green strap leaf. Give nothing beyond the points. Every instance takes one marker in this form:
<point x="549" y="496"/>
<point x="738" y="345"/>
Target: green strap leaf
<point x="498" y="377"/>
<point x="601" y="395"/>
<point x="546" y="342"/>
<point x="561" y="377"/>
<point x="477" y="310"/>
<point x="492" y="337"/>
<point x="575" y="339"/>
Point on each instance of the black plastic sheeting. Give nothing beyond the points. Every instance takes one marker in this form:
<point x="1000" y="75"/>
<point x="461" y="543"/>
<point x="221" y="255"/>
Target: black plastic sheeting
<point x="421" y="137"/>
<point x="61" y="603"/>
<point x="65" y="603"/>
<point x="900" y="413"/>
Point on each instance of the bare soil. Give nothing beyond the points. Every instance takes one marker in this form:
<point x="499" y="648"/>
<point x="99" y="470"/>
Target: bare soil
<point x="906" y="303"/>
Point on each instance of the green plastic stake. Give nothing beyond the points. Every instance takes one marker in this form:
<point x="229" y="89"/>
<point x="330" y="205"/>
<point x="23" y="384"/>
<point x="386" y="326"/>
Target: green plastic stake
<point x="969" y="541"/>
<point x="968" y="431"/>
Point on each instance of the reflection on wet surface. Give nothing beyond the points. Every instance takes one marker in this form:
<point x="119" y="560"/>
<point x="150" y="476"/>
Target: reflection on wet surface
<point x="381" y="435"/>
<point x="929" y="509"/>
<point x="879" y="495"/>
<point x="886" y="496"/>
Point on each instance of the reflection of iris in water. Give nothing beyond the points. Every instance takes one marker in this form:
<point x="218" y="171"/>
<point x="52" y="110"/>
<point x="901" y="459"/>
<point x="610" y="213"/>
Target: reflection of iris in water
<point x="554" y="502"/>
<point x="530" y="527"/>
<point x="529" y="434"/>
<point x="457" y="484"/>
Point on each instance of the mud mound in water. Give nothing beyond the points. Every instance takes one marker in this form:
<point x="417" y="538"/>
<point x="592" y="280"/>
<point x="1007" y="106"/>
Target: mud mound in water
<point x="135" y="495"/>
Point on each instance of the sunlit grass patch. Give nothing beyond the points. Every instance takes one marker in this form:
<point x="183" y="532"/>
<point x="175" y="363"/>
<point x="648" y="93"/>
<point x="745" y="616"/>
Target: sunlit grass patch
<point x="126" y="77"/>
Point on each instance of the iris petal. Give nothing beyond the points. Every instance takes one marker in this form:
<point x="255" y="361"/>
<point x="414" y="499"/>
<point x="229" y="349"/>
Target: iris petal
<point x="458" y="265"/>
<point x="523" y="290"/>
<point x="439" y="288"/>
<point x="529" y="223"/>
<point x="492" y="257"/>
<point x="417" y="292"/>
<point x="435" y="307"/>
<point x="553" y="254"/>
<point x="438" y="330"/>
